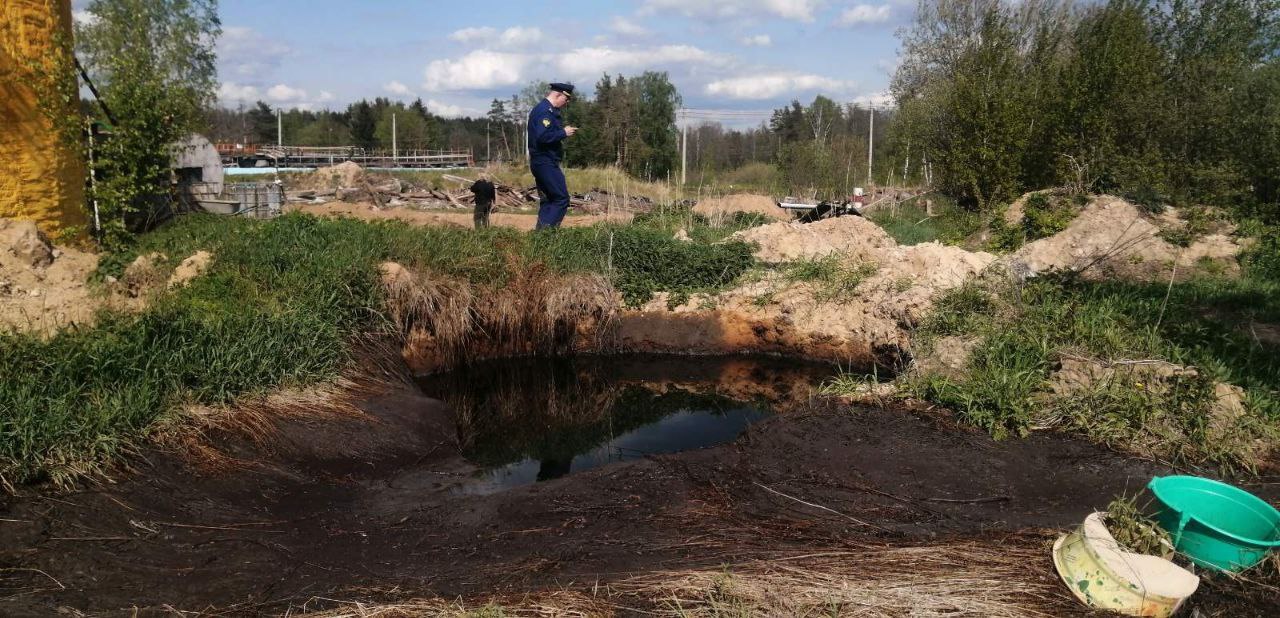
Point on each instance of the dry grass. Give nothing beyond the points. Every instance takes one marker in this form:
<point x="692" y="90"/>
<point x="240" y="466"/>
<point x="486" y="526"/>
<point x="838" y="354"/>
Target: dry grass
<point x="557" y="604"/>
<point x="957" y="579"/>
<point x="257" y="419"/>
<point x="985" y="578"/>
<point x="535" y="312"/>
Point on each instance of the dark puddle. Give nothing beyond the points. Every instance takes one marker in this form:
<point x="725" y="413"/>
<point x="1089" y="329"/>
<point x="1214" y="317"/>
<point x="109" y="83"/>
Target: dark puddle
<point x="529" y="420"/>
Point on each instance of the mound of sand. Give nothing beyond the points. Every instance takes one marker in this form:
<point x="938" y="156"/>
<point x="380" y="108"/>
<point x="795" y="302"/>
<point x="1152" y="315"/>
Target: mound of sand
<point x="777" y="315"/>
<point x="853" y="236"/>
<point x="343" y="175"/>
<point x="42" y="287"/>
<point x="1112" y="238"/>
<point x="742" y="202"/>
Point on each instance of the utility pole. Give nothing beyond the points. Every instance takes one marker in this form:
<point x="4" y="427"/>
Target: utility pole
<point x="279" y="129"/>
<point x="488" y="157"/>
<point x="395" y="150"/>
<point x="870" y="143"/>
<point x="684" y="148"/>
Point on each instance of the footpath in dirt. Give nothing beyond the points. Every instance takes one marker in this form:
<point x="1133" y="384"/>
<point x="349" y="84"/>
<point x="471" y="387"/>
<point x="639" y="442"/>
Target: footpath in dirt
<point x="342" y="507"/>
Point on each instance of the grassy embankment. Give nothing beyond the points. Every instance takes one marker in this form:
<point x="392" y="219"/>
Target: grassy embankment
<point x="281" y="305"/>
<point x="1022" y="334"/>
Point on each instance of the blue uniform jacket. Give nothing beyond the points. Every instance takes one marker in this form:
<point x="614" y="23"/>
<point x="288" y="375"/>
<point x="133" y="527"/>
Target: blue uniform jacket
<point x="546" y="130"/>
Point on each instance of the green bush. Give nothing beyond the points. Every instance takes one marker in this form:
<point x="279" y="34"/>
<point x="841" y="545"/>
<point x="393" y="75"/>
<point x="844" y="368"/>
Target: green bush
<point x="1263" y="259"/>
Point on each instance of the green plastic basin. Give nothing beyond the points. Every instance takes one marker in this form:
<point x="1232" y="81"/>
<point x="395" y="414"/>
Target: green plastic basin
<point x="1216" y="525"/>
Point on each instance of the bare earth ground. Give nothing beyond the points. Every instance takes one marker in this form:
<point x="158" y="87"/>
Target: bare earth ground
<point x="354" y="509"/>
<point x="460" y="218"/>
<point x="42" y="287"/>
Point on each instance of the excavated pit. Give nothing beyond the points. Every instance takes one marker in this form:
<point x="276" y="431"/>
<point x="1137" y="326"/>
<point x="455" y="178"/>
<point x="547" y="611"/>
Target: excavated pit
<point x="398" y="502"/>
<point x="530" y="420"/>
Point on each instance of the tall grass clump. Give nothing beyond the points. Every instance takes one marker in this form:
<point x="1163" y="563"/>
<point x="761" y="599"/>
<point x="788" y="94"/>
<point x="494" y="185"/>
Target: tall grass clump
<point x="1023" y="333"/>
<point x="910" y="224"/>
<point x="282" y="304"/>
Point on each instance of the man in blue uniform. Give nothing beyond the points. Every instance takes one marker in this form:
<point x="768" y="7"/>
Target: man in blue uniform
<point x="546" y="131"/>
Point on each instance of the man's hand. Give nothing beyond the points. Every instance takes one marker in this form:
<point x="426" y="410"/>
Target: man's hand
<point x="569" y="131"/>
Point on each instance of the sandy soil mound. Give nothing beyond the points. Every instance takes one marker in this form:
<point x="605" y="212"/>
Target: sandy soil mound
<point x="854" y="236"/>
<point x="343" y="175"/>
<point x="190" y="268"/>
<point x="42" y="287"/>
<point x="742" y="202"/>
<point x="775" y="315"/>
<point x="1113" y="238"/>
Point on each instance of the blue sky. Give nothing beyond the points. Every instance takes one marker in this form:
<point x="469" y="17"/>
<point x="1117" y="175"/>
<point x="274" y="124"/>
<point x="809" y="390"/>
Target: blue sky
<point x="457" y="56"/>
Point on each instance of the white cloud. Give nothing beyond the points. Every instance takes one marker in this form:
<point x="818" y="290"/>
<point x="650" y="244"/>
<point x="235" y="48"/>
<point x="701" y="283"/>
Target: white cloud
<point x="515" y="37"/>
<point x="231" y="92"/>
<point x="798" y="10"/>
<point x="324" y="97"/>
<point x="769" y="86"/>
<point x="480" y="69"/>
<point x="247" y="53"/>
<point x="520" y="37"/>
<point x="473" y="35"/>
<point x="447" y="110"/>
<point x="592" y="61"/>
<point x="759" y="40"/>
<point x="397" y="88"/>
<point x="626" y="27"/>
<point x="281" y="93"/>
<point x="865" y="14"/>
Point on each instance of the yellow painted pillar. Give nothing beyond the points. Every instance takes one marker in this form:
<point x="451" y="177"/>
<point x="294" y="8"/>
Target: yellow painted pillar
<point x="41" y="174"/>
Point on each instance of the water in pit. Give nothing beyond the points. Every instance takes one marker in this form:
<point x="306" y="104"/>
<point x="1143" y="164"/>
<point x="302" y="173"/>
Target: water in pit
<point x="528" y="420"/>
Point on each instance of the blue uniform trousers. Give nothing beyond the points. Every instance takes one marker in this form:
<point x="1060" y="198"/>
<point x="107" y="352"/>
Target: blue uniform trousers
<point x="555" y="193"/>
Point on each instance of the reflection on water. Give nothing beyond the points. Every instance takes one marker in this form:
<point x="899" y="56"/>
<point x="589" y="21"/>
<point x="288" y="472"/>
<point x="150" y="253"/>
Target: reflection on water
<point x="530" y="420"/>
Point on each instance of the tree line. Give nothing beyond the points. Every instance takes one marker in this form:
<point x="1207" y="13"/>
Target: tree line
<point x="1160" y="100"/>
<point x="630" y="123"/>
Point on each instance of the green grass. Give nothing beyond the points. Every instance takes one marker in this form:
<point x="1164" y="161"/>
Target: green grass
<point x="1023" y="332"/>
<point x="909" y="224"/>
<point x="836" y="280"/>
<point x="279" y="306"/>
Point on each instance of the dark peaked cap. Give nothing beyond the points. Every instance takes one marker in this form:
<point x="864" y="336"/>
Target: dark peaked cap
<point x="565" y="88"/>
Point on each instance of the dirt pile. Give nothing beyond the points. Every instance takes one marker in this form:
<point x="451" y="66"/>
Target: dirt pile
<point x="190" y="268"/>
<point x="1112" y="238"/>
<point x="345" y="174"/>
<point x="855" y="237"/>
<point x="42" y="287"/>
<point x="781" y="315"/>
<point x="750" y="203"/>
